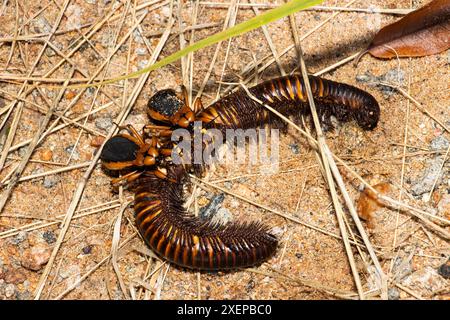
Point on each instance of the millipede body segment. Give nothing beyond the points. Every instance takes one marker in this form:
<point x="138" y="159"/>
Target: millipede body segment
<point x="189" y="241"/>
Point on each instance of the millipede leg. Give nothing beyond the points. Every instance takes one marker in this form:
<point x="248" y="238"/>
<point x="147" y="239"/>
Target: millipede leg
<point x="133" y="132"/>
<point x="128" y="177"/>
<point x="198" y="105"/>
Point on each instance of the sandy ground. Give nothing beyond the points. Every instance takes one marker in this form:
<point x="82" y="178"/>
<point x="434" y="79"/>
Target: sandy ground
<point x="311" y="262"/>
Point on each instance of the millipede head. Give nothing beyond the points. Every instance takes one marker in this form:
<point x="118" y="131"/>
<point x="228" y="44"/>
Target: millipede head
<point x="169" y="107"/>
<point x="124" y="151"/>
<point x="119" y="153"/>
<point x="367" y="118"/>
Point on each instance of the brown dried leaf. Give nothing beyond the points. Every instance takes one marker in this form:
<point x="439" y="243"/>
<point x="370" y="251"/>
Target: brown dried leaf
<point x="423" y="32"/>
<point x="367" y="203"/>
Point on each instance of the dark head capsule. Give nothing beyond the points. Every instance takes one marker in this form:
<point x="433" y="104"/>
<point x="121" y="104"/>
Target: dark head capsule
<point x="165" y="102"/>
<point x="119" y="149"/>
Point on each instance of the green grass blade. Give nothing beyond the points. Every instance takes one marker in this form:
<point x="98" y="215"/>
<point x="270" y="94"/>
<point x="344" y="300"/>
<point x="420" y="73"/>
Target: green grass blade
<point x="246" y="26"/>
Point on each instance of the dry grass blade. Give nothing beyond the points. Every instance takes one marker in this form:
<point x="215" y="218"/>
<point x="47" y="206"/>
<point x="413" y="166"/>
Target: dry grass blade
<point x="348" y="200"/>
<point x="92" y="270"/>
<point x="115" y="249"/>
<point x="279" y="213"/>
<point x="327" y="161"/>
<point x="18" y="172"/>
<point x="20" y="105"/>
<point x="81" y="185"/>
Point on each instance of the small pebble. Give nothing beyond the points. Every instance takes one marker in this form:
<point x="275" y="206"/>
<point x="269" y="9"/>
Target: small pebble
<point x="443" y="206"/>
<point x="49" y="237"/>
<point x="208" y="211"/>
<point x="439" y="143"/>
<point x="19" y="238"/>
<point x="367" y="77"/>
<point x="444" y="270"/>
<point x="395" y="77"/>
<point x="142" y="64"/>
<point x="165" y="11"/>
<point x="36" y="257"/>
<point x="427" y="279"/>
<point x="228" y="184"/>
<point x="277" y="231"/>
<point x="50" y="181"/>
<point x="141" y="51"/>
<point x="50" y="94"/>
<point x="107" y="39"/>
<point x="137" y="36"/>
<point x="294" y="148"/>
<point x="10" y="289"/>
<point x="46" y="155"/>
<point x="41" y="25"/>
<point x="70" y="95"/>
<point x="432" y="172"/>
<point x="75" y="154"/>
<point x="97" y="141"/>
<point x="104" y="123"/>
<point x="299" y="255"/>
<point x="91" y="1"/>
<point x="49" y="52"/>
<point x="402" y="268"/>
<point x="393" y="294"/>
<point x="87" y="249"/>
<point x="26" y="295"/>
<point x="14" y="276"/>
<point x="223" y="216"/>
<point x="73" y="14"/>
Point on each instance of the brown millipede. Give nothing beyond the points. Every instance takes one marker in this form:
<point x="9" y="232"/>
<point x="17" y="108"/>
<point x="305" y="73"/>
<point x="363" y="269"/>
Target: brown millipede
<point x="189" y="241"/>
<point x="285" y="94"/>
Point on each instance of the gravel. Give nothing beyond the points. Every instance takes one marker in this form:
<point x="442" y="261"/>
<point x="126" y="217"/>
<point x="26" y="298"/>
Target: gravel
<point x="393" y="294"/>
<point x="50" y="181"/>
<point x="394" y="76"/>
<point x="75" y="155"/>
<point x="49" y="237"/>
<point x="211" y="209"/>
<point x="444" y="270"/>
<point x="223" y="216"/>
<point x="10" y="290"/>
<point x="104" y="123"/>
<point x="19" y="238"/>
<point x="294" y="148"/>
<point x="439" y="143"/>
<point x="432" y="172"/>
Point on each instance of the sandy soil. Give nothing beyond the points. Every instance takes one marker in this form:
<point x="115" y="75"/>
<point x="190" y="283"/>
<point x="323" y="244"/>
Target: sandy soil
<point x="311" y="263"/>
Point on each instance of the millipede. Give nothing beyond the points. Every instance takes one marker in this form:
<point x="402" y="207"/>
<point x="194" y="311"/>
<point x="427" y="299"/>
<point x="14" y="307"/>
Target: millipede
<point x="167" y="228"/>
<point x="285" y="94"/>
<point x="189" y="241"/>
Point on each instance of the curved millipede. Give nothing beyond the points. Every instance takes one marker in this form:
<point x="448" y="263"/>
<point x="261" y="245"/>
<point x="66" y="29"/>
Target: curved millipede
<point x="189" y="241"/>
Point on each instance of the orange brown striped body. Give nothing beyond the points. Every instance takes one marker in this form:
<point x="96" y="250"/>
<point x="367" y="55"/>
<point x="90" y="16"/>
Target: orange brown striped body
<point x="288" y="96"/>
<point x="191" y="242"/>
<point x="238" y="110"/>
